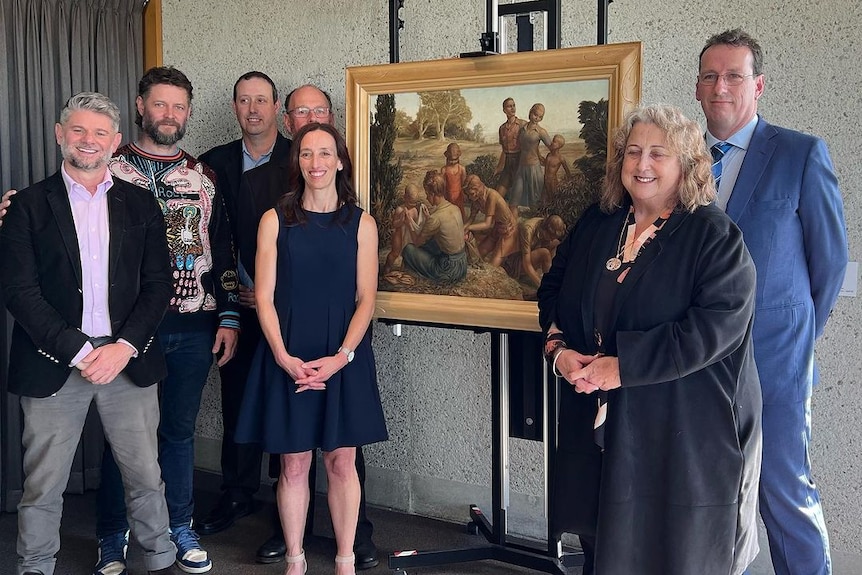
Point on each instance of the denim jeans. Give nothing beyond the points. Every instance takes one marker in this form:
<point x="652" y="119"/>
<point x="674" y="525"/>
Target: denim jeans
<point x="189" y="359"/>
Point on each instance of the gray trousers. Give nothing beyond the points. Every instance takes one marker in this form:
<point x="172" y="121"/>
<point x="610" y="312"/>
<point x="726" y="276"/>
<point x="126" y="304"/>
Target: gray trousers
<point x="52" y="429"/>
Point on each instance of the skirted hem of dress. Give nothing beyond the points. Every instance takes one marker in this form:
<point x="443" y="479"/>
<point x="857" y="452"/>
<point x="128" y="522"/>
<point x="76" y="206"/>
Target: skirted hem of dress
<point x="315" y="293"/>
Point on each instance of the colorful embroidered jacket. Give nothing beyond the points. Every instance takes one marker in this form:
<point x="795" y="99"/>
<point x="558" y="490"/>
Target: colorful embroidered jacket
<point x="198" y="235"/>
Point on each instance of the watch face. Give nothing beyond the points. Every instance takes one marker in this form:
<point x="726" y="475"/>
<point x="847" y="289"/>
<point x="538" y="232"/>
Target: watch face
<point x="350" y="355"/>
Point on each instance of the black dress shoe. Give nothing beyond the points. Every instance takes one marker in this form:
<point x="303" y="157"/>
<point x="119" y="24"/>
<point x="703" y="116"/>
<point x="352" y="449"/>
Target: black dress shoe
<point x="273" y="549"/>
<point x="223" y="515"/>
<point x="366" y="555"/>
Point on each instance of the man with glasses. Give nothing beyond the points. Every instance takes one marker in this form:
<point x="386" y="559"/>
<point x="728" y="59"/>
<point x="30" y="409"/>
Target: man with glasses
<point x="780" y="188"/>
<point x="260" y="190"/>
<point x="257" y="107"/>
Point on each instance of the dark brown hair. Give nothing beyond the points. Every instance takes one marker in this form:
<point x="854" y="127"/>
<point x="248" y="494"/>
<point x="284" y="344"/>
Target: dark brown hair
<point x="738" y="38"/>
<point x="256" y="74"/>
<point x="161" y="75"/>
<point x="290" y="204"/>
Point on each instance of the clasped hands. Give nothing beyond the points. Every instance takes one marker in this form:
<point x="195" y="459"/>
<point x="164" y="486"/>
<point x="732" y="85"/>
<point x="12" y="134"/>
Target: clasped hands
<point x="589" y="373"/>
<point x="312" y="375"/>
<point x="102" y="365"/>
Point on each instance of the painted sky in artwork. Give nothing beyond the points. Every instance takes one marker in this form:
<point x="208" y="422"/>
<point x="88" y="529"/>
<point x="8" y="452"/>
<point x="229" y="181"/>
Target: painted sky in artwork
<point x="561" y="101"/>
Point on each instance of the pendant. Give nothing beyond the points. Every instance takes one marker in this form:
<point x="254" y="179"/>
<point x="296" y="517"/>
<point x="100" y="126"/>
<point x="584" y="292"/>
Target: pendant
<point x="613" y="264"/>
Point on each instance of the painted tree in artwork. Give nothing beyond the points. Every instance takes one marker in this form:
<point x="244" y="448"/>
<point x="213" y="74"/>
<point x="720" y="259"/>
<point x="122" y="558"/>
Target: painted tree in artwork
<point x="594" y="119"/>
<point x="576" y="193"/>
<point x="385" y="174"/>
<point x="444" y="109"/>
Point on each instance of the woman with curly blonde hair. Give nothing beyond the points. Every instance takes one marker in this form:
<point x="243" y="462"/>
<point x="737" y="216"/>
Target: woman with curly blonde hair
<point x="647" y="311"/>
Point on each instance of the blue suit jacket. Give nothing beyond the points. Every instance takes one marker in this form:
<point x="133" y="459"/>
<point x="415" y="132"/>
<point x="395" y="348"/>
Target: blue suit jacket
<point x="787" y="203"/>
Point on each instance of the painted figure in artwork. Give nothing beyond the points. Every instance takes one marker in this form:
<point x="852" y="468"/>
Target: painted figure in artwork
<point x="530" y="180"/>
<point x="455" y="175"/>
<point x="407" y="220"/>
<point x="538" y="239"/>
<point x="553" y="162"/>
<point x="510" y="155"/>
<point x="499" y="226"/>
<point x="437" y="252"/>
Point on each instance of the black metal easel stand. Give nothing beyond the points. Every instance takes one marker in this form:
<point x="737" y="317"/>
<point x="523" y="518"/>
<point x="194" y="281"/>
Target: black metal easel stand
<point x="548" y="558"/>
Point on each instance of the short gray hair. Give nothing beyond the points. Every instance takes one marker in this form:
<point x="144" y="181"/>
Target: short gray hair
<point x="94" y="102"/>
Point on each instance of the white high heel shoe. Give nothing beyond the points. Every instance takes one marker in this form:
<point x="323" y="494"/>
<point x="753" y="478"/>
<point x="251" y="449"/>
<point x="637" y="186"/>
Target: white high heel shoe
<point x="346" y="559"/>
<point x="292" y="559"/>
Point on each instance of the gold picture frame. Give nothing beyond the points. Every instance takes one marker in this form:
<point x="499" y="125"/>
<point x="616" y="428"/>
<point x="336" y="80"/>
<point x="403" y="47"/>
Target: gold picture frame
<point x="567" y="77"/>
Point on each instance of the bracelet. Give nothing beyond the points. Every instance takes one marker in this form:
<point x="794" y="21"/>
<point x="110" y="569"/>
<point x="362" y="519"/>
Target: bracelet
<point x="554" y="363"/>
<point x="553" y="342"/>
<point x="556" y="336"/>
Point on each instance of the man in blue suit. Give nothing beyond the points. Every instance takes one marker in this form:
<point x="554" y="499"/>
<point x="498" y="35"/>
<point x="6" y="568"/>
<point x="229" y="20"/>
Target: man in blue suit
<point x="780" y="188"/>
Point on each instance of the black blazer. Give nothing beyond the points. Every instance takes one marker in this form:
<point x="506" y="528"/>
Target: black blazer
<point x="261" y="188"/>
<point x="40" y="268"/>
<point x="226" y="162"/>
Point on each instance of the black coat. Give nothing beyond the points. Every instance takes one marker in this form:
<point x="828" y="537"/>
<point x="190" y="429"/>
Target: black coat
<point x="260" y="188"/>
<point x="40" y="267"/>
<point x="226" y="162"/>
<point x="674" y="492"/>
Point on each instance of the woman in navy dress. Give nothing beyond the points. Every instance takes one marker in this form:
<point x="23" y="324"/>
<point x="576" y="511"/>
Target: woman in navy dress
<point x="313" y="382"/>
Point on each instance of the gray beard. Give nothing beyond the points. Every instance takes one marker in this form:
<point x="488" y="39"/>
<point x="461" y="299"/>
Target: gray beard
<point x="95" y="164"/>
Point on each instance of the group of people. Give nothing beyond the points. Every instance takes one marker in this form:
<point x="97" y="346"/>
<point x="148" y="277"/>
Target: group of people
<point x="494" y="225"/>
<point x="682" y="309"/>
<point x="147" y="235"/>
<point x="438" y="243"/>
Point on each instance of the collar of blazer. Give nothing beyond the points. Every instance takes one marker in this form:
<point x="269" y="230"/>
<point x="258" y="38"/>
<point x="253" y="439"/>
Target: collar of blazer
<point x="757" y="157"/>
<point x="58" y="201"/>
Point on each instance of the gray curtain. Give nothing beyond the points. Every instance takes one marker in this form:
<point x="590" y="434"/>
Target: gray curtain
<point x="50" y="50"/>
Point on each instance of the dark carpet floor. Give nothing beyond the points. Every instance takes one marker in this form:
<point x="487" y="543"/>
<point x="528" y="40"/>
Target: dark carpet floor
<point x="233" y="550"/>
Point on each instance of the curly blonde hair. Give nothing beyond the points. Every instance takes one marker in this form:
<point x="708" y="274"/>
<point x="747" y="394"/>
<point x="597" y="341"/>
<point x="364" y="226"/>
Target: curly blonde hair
<point x="684" y="139"/>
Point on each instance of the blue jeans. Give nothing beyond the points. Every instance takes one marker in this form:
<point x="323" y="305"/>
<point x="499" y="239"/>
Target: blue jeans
<point x="189" y="359"/>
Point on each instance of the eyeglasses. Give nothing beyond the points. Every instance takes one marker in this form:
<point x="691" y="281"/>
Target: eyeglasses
<point x="304" y="112"/>
<point x="731" y="79"/>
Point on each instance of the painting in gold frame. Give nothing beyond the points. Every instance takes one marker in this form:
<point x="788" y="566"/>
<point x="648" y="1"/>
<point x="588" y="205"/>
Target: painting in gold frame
<point x="405" y="120"/>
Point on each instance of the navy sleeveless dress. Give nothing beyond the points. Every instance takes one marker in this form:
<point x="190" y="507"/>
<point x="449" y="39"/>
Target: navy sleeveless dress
<point x="315" y="294"/>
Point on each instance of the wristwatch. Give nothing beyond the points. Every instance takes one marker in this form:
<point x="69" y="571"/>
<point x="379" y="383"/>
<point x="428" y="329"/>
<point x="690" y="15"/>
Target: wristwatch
<point x="348" y="352"/>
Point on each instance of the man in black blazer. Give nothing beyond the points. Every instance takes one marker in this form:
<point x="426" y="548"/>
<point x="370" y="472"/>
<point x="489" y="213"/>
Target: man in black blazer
<point x="256" y="105"/>
<point x="86" y="276"/>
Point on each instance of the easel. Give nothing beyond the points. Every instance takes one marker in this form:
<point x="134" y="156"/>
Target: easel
<point x="548" y="556"/>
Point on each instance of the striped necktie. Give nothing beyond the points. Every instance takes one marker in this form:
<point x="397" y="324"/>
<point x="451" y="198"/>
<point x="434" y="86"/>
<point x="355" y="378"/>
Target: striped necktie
<point x="718" y="151"/>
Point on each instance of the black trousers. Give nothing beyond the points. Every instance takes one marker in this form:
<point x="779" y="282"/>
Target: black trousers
<point x="240" y="462"/>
